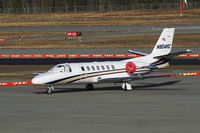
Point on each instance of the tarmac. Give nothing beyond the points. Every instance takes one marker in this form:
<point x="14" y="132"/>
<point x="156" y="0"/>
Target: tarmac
<point x="146" y="29"/>
<point x="54" y="61"/>
<point x="169" y="105"/>
<point x="99" y="30"/>
<point x="87" y="51"/>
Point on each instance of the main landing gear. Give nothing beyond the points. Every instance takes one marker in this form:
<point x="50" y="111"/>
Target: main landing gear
<point x="89" y="87"/>
<point x="49" y="90"/>
<point x="127" y="87"/>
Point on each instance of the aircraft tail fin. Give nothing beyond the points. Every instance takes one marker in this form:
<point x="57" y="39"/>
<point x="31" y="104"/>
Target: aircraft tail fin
<point x="164" y="43"/>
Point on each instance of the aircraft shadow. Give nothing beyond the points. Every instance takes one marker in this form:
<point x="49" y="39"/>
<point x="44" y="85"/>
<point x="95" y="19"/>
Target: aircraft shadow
<point x="146" y="86"/>
<point x="141" y="86"/>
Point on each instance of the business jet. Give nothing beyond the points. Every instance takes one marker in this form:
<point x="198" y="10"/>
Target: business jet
<point x="123" y="71"/>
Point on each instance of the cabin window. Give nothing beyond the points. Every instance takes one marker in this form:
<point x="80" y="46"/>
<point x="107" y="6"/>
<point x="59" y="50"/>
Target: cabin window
<point x="107" y="67"/>
<point x="88" y="68"/>
<point x="82" y="68"/>
<point x="98" y="68"/>
<point x="102" y="67"/>
<point x="113" y="67"/>
<point x="93" y="68"/>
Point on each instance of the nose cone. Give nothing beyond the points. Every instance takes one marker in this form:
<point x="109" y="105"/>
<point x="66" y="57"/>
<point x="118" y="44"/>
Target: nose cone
<point x="41" y="79"/>
<point x="37" y="80"/>
<point x="45" y="78"/>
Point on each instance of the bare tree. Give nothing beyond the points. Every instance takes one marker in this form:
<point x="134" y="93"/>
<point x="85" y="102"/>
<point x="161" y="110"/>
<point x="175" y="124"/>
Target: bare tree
<point x="3" y="3"/>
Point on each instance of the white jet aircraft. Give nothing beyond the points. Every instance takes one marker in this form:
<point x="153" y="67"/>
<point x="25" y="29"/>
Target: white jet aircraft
<point x="124" y="71"/>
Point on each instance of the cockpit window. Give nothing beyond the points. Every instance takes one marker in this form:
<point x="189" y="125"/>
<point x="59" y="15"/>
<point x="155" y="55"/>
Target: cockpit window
<point x="61" y="68"/>
<point x="68" y="68"/>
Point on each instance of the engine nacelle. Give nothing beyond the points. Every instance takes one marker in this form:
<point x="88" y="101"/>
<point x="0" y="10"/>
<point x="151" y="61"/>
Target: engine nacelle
<point x="130" y="67"/>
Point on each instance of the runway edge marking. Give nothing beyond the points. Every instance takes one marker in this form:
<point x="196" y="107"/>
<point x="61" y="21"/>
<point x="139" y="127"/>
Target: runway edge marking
<point x="30" y="83"/>
<point x="87" y="56"/>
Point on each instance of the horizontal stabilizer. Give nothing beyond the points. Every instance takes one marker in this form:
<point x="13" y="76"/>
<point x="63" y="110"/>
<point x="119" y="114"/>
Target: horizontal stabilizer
<point x="171" y="55"/>
<point x="138" y="53"/>
<point x="36" y="73"/>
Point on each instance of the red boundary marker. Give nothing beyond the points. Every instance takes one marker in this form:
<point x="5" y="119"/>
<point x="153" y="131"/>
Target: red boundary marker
<point x="30" y="83"/>
<point x="16" y="83"/>
<point x="187" y="74"/>
<point x="87" y="56"/>
<point x="3" y="39"/>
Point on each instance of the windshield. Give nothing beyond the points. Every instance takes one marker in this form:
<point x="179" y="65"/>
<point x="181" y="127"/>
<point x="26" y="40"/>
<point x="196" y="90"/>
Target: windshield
<point x="61" y="68"/>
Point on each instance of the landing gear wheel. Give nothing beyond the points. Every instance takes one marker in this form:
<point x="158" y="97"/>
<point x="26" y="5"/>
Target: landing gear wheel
<point x="89" y="87"/>
<point x="49" y="91"/>
<point x="126" y="87"/>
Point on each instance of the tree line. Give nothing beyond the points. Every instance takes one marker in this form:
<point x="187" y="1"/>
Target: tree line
<point x="56" y="3"/>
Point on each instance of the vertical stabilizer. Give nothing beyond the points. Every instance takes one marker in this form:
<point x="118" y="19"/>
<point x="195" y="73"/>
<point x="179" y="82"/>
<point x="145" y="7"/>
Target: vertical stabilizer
<point x="164" y="43"/>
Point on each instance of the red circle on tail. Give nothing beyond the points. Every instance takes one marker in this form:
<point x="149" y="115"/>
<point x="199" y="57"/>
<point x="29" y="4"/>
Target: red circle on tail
<point x="130" y="67"/>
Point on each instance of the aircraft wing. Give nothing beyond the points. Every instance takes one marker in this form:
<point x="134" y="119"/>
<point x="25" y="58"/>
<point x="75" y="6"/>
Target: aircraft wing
<point x="135" y="77"/>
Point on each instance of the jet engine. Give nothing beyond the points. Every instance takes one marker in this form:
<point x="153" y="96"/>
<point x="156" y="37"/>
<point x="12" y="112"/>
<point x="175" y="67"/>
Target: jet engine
<point x="130" y="67"/>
